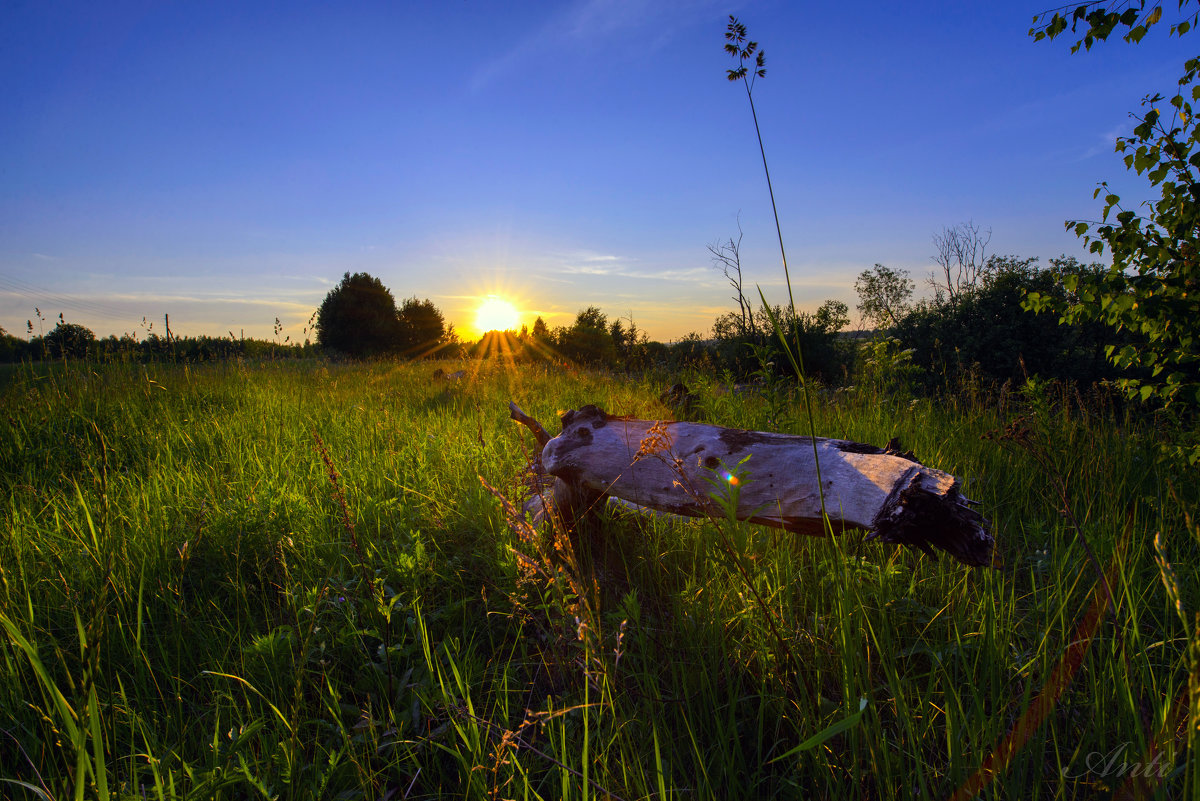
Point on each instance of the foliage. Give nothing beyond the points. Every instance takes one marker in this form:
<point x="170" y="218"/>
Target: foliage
<point x="422" y="328"/>
<point x="886" y="366"/>
<point x="1102" y="21"/>
<point x="588" y="340"/>
<point x="68" y="340"/>
<point x="13" y="349"/>
<point x="691" y="351"/>
<point x="358" y="317"/>
<point x="1151" y="292"/>
<point x="884" y="295"/>
<point x="815" y="335"/>
<point x="630" y="344"/>
<point x="745" y="350"/>
<point x="985" y="330"/>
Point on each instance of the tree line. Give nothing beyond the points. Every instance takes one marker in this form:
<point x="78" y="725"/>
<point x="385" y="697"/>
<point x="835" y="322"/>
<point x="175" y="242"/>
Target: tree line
<point x="972" y="322"/>
<point x="77" y="342"/>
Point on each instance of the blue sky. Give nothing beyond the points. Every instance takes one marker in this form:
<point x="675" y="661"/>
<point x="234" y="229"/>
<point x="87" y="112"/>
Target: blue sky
<point x="226" y="163"/>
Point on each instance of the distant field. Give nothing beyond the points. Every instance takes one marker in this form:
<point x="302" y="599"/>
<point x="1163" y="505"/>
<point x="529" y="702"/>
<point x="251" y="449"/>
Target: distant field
<point x="286" y="580"/>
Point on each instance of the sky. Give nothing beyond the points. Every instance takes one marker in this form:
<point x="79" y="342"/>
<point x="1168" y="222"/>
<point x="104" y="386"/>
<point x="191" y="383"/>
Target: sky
<point x="225" y="163"/>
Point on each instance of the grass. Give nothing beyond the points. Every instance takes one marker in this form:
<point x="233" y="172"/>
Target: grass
<point x="287" y="580"/>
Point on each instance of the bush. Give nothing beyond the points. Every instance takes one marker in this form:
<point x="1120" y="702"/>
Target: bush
<point x="985" y="329"/>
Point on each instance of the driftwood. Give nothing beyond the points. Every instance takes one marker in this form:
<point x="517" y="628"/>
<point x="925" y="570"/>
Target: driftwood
<point x="687" y="468"/>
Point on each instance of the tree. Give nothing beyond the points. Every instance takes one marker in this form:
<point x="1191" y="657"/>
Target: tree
<point x="726" y="257"/>
<point x="68" y="340"/>
<point x="988" y="332"/>
<point x="630" y="343"/>
<point x="422" y="327"/>
<point x="358" y="317"/>
<point x="11" y="347"/>
<point x="884" y="295"/>
<point x="832" y="316"/>
<point x="588" y="341"/>
<point x="1152" y="289"/>
<point x="962" y="260"/>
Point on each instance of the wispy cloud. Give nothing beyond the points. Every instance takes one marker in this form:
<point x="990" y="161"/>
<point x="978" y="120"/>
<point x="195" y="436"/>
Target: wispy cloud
<point x="590" y="263"/>
<point x="609" y="265"/>
<point x="588" y="23"/>
<point x="1105" y="142"/>
<point x="308" y="278"/>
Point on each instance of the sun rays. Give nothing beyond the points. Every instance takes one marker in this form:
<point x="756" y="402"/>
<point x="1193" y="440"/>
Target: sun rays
<point x="496" y="314"/>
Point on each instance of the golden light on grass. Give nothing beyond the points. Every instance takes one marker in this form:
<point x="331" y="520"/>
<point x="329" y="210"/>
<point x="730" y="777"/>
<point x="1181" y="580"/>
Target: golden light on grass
<point x="496" y="314"/>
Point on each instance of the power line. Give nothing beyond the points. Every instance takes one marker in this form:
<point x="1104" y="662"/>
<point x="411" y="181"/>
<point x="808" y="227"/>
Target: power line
<point x="40" y="297"/>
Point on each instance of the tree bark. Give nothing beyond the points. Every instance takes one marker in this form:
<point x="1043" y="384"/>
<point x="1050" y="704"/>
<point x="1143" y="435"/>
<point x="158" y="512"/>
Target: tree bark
<point x="700" y="470"/>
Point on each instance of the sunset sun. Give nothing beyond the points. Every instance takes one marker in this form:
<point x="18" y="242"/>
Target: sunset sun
<point x="495" y="314"/>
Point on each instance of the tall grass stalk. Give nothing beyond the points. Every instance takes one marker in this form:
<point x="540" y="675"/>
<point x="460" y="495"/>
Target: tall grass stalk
<point x="736" y="45"/>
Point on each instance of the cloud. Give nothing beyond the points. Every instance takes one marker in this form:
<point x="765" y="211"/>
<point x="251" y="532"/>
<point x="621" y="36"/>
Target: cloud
<point x="317" y="278"/>
<point x="588" y="262"/>
<point x="588" y="23"/>
<point x="583" y="263"/>
<point x="1105" y="142"/>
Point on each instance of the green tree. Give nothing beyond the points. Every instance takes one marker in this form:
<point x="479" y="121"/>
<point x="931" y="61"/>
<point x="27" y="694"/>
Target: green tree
<point x="1151" y="292"/>
<point x="588" y="340"/>
<point x="831" y="316"/>
<point x="422" y="327"/>
<point x="11" y="348"/>
<point x="884" y="295"/>
<point x="986" y="330"/>
<point x="816" y="334"/>
<point x="358" y="317"/>
<point x="68" y="340"/>
<point x="630" y="344"/>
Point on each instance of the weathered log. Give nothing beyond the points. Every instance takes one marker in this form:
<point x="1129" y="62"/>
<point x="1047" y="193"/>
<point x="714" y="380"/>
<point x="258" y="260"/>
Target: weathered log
<point x="687" y="468"/>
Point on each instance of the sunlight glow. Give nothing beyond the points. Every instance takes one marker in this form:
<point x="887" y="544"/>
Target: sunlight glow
<point x="496" y="314"/>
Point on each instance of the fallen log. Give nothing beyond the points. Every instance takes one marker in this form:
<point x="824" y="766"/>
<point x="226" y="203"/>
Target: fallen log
<point x="691" y="468"/>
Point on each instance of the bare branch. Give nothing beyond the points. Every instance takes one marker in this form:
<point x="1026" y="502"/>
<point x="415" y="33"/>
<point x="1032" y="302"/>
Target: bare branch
<point x="962" y="259"/>
<point x="726" y="257"/>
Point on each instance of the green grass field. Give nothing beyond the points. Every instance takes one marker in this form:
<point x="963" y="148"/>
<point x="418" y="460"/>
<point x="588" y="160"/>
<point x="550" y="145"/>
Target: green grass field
<point x="286" y="580"/>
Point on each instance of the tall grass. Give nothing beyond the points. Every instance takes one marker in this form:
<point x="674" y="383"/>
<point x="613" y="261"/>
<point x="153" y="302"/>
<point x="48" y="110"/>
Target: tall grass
<point x="286" y="580"/>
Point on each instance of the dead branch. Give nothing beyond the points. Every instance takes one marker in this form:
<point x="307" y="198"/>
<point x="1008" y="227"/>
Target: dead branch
<point x="691" y="468"/>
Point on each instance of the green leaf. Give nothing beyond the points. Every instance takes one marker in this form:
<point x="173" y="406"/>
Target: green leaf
<point x="848" y="722"/>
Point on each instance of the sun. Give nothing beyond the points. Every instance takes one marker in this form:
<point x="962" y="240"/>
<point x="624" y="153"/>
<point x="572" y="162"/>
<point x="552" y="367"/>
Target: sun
<point x="495" y="314"/>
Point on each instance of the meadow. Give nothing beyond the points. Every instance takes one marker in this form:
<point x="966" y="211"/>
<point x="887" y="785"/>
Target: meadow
<point x="289" y="580"/>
